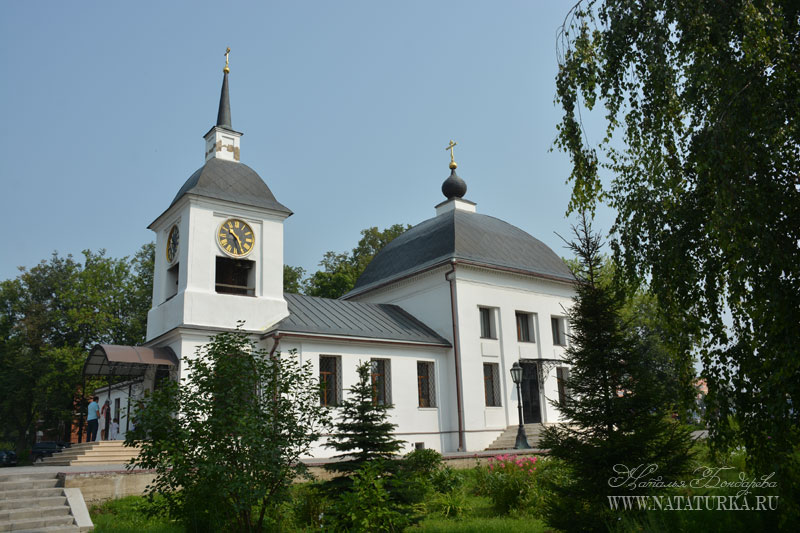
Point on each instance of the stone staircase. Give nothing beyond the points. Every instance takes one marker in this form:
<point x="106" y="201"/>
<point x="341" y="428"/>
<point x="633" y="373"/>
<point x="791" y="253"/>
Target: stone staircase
<point x="107" y="452"/>
<point x="34" y="502"/>
<point x="508" y="438"/>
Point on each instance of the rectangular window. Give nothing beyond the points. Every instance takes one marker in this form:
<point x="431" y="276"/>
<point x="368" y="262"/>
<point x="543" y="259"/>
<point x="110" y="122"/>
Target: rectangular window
<point x="487" y="323"/>
<point x="525" y="331"/>
<point x="562" y="375"/>
<point x="330" y="380"/>
<point x="491" y="384"/>
<point x="559" y="323"/>
<point x="381" y="382"/>
<point x="172" y="280"/>
<point x="235" y="276"/>
<point x="426" y="384"/>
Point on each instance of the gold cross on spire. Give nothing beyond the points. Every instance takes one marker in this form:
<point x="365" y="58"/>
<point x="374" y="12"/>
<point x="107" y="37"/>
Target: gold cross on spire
<point x="453" y="164"/>
<point x="226" y="69"/>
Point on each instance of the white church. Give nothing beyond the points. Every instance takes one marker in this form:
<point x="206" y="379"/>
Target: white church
<point x="442" y="312"/>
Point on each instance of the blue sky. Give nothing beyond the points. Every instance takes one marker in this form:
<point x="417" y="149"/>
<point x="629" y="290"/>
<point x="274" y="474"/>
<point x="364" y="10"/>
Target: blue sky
<point x="346" y="108"/>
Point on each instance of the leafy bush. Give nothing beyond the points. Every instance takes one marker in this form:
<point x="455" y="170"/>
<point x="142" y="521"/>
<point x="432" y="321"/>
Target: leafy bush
<point x="511" y="481"/>
<point x="451" y="504"/>
<point x="425" y="461"/>
<point x="309" y="505"/>
<point x="367" y="506"/>
<point x="230" y="433"/>
<point x="446" y="480"/>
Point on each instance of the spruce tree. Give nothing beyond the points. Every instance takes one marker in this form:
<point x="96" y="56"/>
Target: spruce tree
<point x="363" y="432"/>
<point x="619" y="412"/>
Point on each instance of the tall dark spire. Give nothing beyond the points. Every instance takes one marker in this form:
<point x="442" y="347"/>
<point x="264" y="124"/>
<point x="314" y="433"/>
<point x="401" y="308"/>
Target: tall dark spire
<point x="224" y="114"/>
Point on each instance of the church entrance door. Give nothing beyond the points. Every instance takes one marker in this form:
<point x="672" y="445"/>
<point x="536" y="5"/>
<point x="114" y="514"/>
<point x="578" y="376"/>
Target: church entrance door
<point x="531" y="411"/>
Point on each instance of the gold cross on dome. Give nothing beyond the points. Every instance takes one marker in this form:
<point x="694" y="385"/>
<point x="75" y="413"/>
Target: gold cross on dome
<point x="452" y="159"/>
<point x="227" y="51"/>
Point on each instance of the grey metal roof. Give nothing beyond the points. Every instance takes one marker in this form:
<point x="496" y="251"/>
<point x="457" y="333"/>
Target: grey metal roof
<point x="339" y="318"/>
<point x="459" y="234"/>
<point x="232" y="181"/>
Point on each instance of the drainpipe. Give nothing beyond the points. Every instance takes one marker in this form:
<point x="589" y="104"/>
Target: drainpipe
<point x="456" y="353"/>
<point x="277" y="339"/>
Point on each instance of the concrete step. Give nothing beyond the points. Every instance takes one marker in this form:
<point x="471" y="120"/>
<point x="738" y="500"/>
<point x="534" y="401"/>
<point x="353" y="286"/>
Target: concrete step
<point x="101" y="462"/>
<point x="37" y="524"/>
<point x="97" y="444"/>
<point x="19" y="503"/>
<point x="26" y="475"/>
<point x="508" y="438"/>
<point x="16" y="515"/>
<point x="31" y="494"/>
<point x="94" y="455"/>
<point x="32" y="501"/>
<point x="53" y="529"/>
<point x="102" y="455"/>
<point x="26" y="484"/>
<point x="94" y="451"/>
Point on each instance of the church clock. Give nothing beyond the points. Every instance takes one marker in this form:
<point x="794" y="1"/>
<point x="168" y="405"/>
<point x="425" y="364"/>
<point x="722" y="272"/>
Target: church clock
<point x="235" y="237"/>
<point x="172" y="244"/>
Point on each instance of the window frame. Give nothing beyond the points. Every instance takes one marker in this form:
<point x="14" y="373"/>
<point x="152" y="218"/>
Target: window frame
<point x="526" y="318"/>
<point x="487" y="323"/>
<point x="246" y="265"/>
<point x="426" y="384"/>
<point x="386" y="386"/>
<point x="558" y="325"/>
<point x="491" y="385"/>
<point x="562" y="376"/>
<point x="337" y="381"/>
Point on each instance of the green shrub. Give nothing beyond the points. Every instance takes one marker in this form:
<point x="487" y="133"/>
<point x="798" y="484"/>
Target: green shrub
<point x="367" y="506"/>
<point x="225" y="443"/>
<point x="309" y="505"/>
<point x="512" y="481"/>
<point x="480" y="481"/>
<point x="425" y="461"/>
<point x="446" y="480"/>
<point x="450" y="504"/>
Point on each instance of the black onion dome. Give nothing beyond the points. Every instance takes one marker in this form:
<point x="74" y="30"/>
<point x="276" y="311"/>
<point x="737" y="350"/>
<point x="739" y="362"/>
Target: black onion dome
<point x="454" y="186"/>
<point x="458" y="234"/>
<point x="231" y="181"/>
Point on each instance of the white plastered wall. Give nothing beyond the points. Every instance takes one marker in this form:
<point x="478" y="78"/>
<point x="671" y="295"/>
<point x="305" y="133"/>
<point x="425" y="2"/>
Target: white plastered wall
<point x="428" y="425"/>
<point x="197" y="303"/>
<point x="427" y="297"/>
<point x="505" y="294"/>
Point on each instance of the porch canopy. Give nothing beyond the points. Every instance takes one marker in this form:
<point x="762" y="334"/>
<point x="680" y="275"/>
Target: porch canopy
<point x="113" y="360"/>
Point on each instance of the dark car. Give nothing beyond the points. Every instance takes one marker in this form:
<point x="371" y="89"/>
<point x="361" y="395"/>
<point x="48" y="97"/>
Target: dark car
<point x="8" y="458"/>
<point x="44" y="449"/>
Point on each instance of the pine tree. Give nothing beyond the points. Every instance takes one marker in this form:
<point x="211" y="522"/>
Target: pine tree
<point x="363" y="432"/>
<point x="619" y="411"/>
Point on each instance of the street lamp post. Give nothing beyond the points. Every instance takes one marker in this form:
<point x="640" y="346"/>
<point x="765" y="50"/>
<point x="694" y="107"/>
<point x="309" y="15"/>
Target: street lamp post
<point x="516" y="376"/>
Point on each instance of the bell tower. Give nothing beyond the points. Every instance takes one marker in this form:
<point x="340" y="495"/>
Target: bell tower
<point x="219" y="245"/>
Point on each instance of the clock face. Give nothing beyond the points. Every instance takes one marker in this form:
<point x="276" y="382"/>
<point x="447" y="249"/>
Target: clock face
<point x="172" y="244"/>
<point x="235" y="237"/>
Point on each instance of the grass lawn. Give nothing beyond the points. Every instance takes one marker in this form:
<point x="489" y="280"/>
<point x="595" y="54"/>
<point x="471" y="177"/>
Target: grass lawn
<point x="127" y="515"/>
<point x="469" y="509"/>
